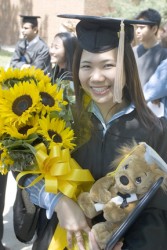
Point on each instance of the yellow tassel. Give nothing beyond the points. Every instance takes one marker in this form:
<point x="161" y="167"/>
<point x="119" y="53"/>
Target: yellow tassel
<point x="119" y="78"/>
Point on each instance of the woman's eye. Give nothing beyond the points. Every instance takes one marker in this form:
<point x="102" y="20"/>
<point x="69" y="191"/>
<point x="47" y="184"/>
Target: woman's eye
<point x="138" y="180"/>
<point x="85" y="67"/>
<point x="108" y="66"/>
<point x="125" y="167"/>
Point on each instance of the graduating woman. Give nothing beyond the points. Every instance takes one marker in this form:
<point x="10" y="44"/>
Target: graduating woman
<point x="110" y="111"/>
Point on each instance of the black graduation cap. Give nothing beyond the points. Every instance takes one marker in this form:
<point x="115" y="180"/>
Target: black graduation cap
<point x="97" y="34"/>
<point x="30" y="19"/>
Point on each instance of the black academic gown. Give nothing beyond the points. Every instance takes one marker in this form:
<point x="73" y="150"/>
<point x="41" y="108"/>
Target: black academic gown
<point x="57" y="74"/>
<point x="149" y="232"/>
<point x="37" y="54"/>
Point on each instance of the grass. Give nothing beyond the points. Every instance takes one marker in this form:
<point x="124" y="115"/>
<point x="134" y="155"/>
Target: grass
<point x="5" y="57"/>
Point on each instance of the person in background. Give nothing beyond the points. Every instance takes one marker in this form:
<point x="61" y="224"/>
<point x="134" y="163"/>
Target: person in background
<point x="61" y="51"/>
<point x="163" y="35"/>
<point x="149" y="53"/>
<point x="105" y="73"/>
<point x="31" y="50"/>
<point x="155" y="90"/>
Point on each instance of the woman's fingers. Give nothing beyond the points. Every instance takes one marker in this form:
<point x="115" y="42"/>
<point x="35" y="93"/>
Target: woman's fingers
<point x="76" y="237"/>
<point x="92" y="242"/>
<point x="118" y="246"/>
<point x="79" y="238"/>
<point x="69" y="239"/>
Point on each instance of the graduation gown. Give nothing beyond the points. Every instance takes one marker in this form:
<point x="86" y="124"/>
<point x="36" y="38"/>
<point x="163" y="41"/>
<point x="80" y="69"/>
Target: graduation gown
<point x="149" y="230"/>
<point x="37" y="54"/>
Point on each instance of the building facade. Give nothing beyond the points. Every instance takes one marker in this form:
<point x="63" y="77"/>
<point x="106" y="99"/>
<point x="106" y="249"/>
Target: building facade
<point x="49" y="23"/>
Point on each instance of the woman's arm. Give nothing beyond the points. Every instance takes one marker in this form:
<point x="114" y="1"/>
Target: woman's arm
<point x="156" y="87"/>
<point x="40" y="197"/>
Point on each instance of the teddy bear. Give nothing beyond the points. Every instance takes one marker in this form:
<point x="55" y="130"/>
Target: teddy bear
<point x="116" y="194"/>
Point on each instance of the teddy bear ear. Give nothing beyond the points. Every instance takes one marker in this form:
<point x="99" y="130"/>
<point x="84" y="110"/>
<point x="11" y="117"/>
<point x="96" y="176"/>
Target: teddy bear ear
<point x="140" y="149"/>
<point x="151" y="156"/>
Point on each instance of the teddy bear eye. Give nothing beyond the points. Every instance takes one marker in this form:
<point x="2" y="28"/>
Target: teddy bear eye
<point x="138" y="180"/>
<point x="126" y="167"/>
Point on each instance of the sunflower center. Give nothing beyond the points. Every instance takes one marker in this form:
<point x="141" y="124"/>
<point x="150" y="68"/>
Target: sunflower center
<point x="55" y="136"/>
<point x="21" y="104"/>
<point x="47" y="99"/>
<point x="24" y="129"/>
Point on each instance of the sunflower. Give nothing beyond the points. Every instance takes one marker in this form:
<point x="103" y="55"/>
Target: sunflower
<point x="38" y="75"/>
<point x="33" y="74"/>
<point x="19" y="102"/>
<point x="9" y="77"/>
<point x="51" y="97"/>
<point x="12" y="76"/>
<point x="22" y="131"/>
<point x="55" y="131"/>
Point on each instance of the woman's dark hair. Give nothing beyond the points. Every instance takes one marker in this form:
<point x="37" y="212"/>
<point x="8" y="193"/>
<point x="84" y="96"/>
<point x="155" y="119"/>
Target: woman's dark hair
<point x="132" y="90"/>
<point x="69" y="43"/>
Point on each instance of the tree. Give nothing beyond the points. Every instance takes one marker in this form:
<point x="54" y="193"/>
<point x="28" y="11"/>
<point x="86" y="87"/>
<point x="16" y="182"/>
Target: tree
<point x="130" y="8"/>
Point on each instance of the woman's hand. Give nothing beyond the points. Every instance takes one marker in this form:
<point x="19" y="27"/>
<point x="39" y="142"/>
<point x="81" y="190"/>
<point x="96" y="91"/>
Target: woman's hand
<point x="118" y="246"/>
<point x="73" y="220"/>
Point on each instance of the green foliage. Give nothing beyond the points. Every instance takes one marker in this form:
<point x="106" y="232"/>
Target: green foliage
<point x="130" y="8"/>
<point x="5" y="53"/>
<point x="5" y="57"/>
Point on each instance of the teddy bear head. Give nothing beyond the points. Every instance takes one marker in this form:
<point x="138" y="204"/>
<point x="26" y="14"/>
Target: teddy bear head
<point x="134" y="173"/>
<point x="115" y="195"/>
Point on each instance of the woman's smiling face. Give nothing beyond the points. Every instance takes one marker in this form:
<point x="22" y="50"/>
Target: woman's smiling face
<point x="97" y="75"/>
<point x="57" y="52"/>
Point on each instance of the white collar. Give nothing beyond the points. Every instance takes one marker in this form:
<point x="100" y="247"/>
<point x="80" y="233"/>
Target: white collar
<point x="118" y="200"/>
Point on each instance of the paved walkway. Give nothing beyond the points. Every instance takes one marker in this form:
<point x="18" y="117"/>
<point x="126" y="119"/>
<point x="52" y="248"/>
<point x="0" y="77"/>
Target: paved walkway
<point x="9" y="236"/>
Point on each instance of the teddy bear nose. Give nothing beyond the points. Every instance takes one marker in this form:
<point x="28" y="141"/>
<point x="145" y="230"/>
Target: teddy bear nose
<point x="124" y="180"/>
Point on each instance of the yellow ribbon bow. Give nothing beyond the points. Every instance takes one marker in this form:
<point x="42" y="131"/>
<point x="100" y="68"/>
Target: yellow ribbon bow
<point x="60" y="172"/>
<point x="63" y="174"/>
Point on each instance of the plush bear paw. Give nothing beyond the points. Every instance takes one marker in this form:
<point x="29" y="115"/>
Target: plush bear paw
<point x="113" y="212"/>
<point x="87" y="205"/>
<point x="103" y="231"/>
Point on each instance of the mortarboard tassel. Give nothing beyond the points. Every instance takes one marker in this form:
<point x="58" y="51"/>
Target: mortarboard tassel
<point x="119" y="78"/>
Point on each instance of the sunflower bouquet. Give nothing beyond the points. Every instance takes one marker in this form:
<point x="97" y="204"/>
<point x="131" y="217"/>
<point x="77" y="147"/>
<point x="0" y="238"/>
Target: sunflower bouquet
<point x="35" y="132"/>
<point x="36" y="136"/>
<point x="32" y="112"/>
